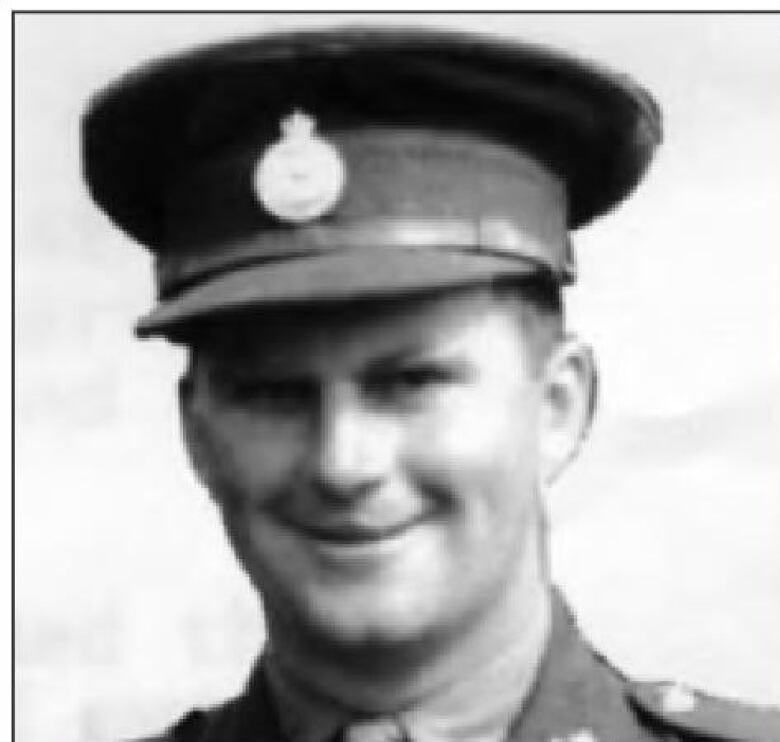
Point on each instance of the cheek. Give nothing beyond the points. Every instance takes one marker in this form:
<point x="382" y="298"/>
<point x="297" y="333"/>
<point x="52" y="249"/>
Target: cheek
<point x="484" y="433"/>
<point x="478" y="464"/>
<point x="247" y="459"/>
<point x="479" y="457"/>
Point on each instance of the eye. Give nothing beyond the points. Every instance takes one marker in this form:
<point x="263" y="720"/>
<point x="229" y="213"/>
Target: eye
<point x="422" y="376"/>
<point x="410" y="381"/>
<point x="275" y="394"/>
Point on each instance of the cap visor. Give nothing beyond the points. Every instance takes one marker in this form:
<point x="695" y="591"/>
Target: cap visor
<point x="336" y="276"/>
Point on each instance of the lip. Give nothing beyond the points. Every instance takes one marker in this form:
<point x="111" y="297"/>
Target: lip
<point x="354" y="534"/>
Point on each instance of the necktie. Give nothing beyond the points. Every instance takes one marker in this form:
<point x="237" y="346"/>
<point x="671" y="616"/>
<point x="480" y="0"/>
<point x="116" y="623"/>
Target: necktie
<point x="372" y="730"/>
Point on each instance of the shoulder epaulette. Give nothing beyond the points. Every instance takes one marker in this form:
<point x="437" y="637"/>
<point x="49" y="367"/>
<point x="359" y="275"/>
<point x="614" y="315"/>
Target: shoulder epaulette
<point x="187" y="729"/>
<point x="690" y="712"/>
<point x="190" y="727"/>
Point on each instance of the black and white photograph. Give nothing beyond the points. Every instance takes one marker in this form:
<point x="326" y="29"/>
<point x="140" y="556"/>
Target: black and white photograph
<point x="396" y="377"/>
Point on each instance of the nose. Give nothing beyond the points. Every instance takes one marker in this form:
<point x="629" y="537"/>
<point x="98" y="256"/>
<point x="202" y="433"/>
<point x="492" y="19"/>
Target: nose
<point x="354" y="447"/>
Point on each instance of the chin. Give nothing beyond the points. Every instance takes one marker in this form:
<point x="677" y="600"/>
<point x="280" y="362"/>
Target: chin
<point x="363" y="621"/>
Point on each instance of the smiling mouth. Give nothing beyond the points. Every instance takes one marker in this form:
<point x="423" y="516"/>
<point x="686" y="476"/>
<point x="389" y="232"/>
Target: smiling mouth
<point x="354" y="534"/>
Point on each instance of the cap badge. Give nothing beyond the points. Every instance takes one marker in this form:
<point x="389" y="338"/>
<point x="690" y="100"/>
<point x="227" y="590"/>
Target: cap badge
<point x="301" y="176"/>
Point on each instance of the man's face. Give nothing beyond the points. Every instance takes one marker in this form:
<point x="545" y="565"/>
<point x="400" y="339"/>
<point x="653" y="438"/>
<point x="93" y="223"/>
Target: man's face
<point x="376" y="466"/>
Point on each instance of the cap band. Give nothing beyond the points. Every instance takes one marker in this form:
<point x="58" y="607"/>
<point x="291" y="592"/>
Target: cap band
<point x="405" y="188"/>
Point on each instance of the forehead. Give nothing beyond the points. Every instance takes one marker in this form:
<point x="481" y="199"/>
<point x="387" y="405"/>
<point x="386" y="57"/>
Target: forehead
<point x="356" y="333"/>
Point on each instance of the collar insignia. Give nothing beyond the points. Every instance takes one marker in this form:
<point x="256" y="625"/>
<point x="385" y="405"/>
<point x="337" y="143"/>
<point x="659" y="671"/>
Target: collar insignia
<point x="677" y="699"/>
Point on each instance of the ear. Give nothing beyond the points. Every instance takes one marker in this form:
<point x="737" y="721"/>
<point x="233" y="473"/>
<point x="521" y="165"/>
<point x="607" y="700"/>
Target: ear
<point x="192" y="431"/>
<point x="568" y="405"/>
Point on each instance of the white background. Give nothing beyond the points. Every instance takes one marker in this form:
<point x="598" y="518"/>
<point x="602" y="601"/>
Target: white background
<point x="129" y="605"/>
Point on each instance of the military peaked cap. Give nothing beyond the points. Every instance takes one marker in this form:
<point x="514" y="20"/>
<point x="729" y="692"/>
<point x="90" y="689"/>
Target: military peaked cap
<point x="356" y="162"/>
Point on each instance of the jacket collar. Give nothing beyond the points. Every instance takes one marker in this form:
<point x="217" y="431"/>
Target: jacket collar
<point x="578" y="696"/>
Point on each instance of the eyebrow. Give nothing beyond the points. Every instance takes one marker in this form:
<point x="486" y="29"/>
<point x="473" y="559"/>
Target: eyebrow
<point x="274" y="365"/>
<point x="412" y="355"/>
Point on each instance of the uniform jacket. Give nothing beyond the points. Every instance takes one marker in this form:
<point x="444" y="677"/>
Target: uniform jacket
<point x="578" y="697"/>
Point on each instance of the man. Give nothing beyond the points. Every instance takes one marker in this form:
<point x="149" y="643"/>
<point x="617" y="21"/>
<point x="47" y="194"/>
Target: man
<point x="361" y="236"/>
